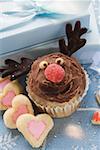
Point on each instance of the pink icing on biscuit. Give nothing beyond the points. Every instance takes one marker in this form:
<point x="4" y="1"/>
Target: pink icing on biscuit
<point x="21" y="110"/>
<point x="36" y="128"/>
<point x="4" y="83"/>
<point x="7" y="99"/>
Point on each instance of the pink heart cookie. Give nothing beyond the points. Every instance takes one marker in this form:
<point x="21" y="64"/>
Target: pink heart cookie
<point x="35" y="128"/>
<point x="8" y="90"/>
<point x="20" y="105"/>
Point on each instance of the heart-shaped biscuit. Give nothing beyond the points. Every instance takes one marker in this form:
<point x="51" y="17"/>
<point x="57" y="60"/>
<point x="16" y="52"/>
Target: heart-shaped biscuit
<point x="20" y="105"/>
<point x="35" y="129"/>
<point x="8" y="90"/>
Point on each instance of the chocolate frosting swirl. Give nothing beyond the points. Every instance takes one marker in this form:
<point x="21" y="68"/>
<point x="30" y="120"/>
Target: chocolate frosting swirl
<point x="73" y="83"/>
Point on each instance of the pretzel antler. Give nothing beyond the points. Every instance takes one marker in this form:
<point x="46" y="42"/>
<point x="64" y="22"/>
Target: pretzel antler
<point x="74" y="40"/>
<point x="14" y="69"/>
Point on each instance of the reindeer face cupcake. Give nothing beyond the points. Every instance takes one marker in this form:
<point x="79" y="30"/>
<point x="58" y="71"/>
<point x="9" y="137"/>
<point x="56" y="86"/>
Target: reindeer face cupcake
<point x="55" y="83"/>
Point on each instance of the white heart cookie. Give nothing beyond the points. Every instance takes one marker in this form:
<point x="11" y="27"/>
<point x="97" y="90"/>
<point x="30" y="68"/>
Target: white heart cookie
<point x="35" y="128"/>
<point x="20" y="105"/>
<point x="8" y="90"/>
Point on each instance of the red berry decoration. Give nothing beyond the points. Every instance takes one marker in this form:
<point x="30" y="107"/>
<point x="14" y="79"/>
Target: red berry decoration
<point x="96" y="118"/>
<point x="54" y="73"/>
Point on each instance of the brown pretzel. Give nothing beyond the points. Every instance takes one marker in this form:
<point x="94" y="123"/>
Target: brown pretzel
<point x="74" y="40"/>
<point x="14" y="69"/>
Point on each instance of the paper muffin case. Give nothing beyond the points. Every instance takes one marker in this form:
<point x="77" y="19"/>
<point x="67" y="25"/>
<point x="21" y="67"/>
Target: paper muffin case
<point x="58" y="110"/>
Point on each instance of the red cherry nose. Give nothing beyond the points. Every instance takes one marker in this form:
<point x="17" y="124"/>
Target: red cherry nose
<point x="54" y="73"/>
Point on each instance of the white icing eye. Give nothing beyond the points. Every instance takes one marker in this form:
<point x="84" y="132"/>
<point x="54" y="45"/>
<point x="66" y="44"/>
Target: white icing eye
<point x="59" y="61"/>
<point x="43" y="64"/>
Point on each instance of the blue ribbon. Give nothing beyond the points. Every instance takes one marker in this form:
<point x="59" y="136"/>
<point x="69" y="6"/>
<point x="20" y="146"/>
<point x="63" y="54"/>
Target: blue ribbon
<point x="28" y="13"/>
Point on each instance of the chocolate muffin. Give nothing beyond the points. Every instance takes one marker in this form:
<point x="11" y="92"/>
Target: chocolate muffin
<point x="57" y="83"/>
